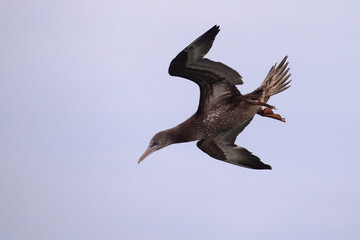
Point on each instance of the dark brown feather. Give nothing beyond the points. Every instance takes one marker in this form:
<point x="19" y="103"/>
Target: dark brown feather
<point x="214" y="78"/>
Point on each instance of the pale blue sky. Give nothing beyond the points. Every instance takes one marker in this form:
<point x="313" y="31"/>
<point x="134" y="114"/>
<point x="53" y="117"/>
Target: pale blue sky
<point x="84" y="87"/>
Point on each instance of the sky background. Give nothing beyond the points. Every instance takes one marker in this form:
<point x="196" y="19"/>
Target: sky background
<point x="84" y="86"/>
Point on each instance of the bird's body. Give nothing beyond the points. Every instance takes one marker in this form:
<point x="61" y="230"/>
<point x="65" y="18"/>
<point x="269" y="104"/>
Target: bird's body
<point x="223" y="111"/>
<point x="218" y="119"/>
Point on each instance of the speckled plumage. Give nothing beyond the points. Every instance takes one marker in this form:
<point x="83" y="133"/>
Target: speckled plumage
<point x="223" y="111"/>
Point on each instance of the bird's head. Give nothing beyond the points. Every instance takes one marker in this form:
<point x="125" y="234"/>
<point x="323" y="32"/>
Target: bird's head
<point x="160" y="140"/>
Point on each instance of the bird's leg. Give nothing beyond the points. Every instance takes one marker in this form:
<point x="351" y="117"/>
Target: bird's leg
<point x="255" y="102"/>
<point x="267" y="112"/>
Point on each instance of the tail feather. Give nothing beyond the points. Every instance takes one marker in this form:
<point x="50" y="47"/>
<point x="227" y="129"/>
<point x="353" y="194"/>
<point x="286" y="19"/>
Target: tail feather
<point x="276" y="80"/>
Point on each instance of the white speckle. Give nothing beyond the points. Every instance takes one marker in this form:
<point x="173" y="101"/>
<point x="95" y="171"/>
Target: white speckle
<point x="213" y="117"/>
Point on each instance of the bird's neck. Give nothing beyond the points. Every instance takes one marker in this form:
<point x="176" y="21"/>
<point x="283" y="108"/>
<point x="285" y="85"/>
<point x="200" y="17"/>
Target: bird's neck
<point x="183" y="132"/>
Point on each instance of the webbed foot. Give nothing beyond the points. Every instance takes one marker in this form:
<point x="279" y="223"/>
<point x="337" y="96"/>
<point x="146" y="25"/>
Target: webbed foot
<point x="267" y="112"/>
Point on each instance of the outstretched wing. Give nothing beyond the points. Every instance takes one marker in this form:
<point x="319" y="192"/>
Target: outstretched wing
<point x="215" y="79"/>
<point x="222" y="147"/>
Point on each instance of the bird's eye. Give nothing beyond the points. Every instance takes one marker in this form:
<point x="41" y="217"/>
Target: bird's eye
<point x="154" y="143"/>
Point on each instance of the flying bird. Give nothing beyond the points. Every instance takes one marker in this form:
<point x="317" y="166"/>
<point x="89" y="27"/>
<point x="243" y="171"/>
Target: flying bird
<point x="223" y="112"/>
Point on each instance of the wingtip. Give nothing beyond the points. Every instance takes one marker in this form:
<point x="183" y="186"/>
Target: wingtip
<point x="262" y="166"/>
<point x="215" y="28"/>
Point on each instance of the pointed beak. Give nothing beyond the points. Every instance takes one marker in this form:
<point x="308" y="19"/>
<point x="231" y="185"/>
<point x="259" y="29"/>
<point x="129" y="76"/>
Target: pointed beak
<point x="147" y="152"/>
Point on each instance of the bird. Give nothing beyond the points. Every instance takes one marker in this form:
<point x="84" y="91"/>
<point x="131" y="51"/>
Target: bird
<point x="223" y="112"/>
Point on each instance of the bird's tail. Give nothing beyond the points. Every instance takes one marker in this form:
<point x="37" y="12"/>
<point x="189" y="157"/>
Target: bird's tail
<point x="276" y="80"/>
